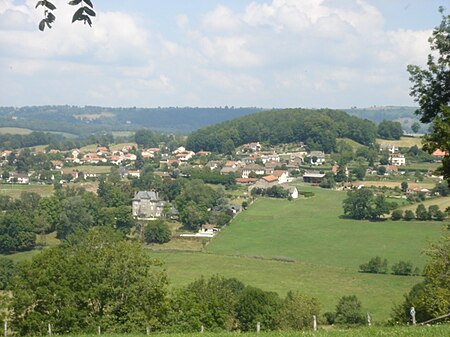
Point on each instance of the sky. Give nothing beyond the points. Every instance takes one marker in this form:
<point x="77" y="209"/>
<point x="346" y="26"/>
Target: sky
<point x="212" y="53"/>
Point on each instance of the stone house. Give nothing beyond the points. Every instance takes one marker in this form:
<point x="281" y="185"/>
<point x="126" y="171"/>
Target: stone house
<point x="147" y="205"/>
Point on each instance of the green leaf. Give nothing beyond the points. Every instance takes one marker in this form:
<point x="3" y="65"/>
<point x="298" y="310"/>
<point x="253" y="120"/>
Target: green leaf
<point x="88" y="20"/>
<point x="49" y="5"/>
<point x="39" y="3"/>
<point x="50" y="17"/>
<point x="89" y="11"/>
<point x="89" y="3"/>
<point x="42" y="25"/>
<point x="74" y="2"/>
<point x="78" y="16"/>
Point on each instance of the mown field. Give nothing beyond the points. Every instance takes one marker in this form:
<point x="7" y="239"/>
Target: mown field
<point x="14" y="190"/>
<point x="411" y="331"/>
<point x="304" y="245"/>
<point x="403" y="142"/>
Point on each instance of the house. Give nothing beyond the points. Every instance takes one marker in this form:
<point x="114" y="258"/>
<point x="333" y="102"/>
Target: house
<point x="246" y="181"/>
<point x="439" y="154"/>
<point x="147" y="205"/>
<point x="19" y="178"/>
<point x="313" y="177"/>
<point x="185" y="156"/>
<point x="203" y="153"/>
<point x="251" y="147"/>
<point x="397" y="159"/>
<point x="134" y="173"/>
<point x="282" y="175"/>
<point x="252" y="168"/>
<point x="57" y="164"/>
<point x="317" y="157"/>
<point x="213" y="164"/>
<point x="208" y="229"/>
<point x="270" y="156"/>
<point x="293" y="191"/>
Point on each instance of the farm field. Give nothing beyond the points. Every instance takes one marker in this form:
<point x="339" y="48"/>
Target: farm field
<point x="393" y="184"/>
<point x="88" y="169"/>
<point x="14" y="190"/>
<point x="403" y="142"/>
<point x="303" y="245"/>
<point x="15" y="131"/>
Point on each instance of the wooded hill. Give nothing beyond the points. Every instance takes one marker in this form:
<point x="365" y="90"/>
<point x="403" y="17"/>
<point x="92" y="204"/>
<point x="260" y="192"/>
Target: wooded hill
<point x="83" y="121"/>
<point x="317" y="128"/>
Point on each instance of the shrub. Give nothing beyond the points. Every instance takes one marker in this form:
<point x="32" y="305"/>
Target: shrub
<point x="375" y="265"/>
<point x="397" y="214"/>
<point x="157" y="232"/>
<point x="349" y="311"/>
<point x="296" y="312"/>
<point x="402" y="268"/>
<point x="409" y="215"/>
<point x="422" y="213"/>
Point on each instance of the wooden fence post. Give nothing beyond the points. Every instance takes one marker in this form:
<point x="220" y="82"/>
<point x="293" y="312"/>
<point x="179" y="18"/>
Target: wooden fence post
<point x="49" y="329"/>
<point x="258" y="327"/>
<point x="6" y="328"/>
<point x="314" y="323"/>
<point x="202" y="330"/>
<point x="369" y="319"/>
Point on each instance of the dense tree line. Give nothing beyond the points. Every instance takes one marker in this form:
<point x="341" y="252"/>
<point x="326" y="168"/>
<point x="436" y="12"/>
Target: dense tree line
<point x="317" y="128"/>
<point x="15" y="141"/>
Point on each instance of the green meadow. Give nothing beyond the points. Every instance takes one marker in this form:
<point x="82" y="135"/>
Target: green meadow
<point x="306" y="245"/>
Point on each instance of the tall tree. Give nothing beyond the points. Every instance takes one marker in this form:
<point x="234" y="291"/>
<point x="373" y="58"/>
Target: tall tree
<point x="431" y="90"/>
<point x="94" y="279"/>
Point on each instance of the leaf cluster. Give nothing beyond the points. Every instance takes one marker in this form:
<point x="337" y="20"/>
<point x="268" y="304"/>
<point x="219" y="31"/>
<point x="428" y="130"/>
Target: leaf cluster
<point x="84" y="13"/>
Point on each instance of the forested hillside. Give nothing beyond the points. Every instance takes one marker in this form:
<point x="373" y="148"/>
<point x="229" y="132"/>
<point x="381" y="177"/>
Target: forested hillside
<point x="84" y="121"/>
<point x="317" y="128"/>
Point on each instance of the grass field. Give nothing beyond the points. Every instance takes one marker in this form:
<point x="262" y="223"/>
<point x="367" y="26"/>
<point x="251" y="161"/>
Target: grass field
<point x="304" y="245"/>
<point x="393" y="184"/>
<point x="403" y="142"/>
<point x="411" y="331"/>
<point x="14" y="190"/>
<point x="15" y="131"/>
<point x="88" y="169"/>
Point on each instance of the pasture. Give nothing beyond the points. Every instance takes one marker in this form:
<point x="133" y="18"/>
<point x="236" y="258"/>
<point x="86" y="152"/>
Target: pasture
<point x="15" y="131"/>
<point x="403" y="142"/>
<point x="304" y="245"/>
<point x="14" y="190"/>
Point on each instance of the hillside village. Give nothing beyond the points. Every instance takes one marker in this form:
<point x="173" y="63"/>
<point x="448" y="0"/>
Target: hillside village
<point x="257" y="167"/>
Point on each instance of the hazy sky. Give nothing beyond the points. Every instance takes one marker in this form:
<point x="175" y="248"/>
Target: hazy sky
<point x="264" y="53"/>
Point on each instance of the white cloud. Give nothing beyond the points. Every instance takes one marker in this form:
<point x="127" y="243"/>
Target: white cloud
<point x="221" y="19"/>
<point x="269" y="53"/>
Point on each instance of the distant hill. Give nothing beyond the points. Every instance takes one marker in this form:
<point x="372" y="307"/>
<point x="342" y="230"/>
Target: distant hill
<point x="84" y="121"/>
<point x="404" y="114"/>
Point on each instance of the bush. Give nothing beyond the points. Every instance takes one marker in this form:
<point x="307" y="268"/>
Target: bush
<point x="157" y="232"/>
<point x="409" y="215"/>
<point x="375" y="265"/>
<point x="296" y="312"/>
<point x="349" y="311"/>
<point x="397" y="214"/>
<point x="422" y="213"/>
<point x="402" y="268"/>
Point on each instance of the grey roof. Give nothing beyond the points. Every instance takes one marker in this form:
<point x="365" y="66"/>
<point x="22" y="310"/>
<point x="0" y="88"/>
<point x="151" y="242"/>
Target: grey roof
<point x="150" y="195"/>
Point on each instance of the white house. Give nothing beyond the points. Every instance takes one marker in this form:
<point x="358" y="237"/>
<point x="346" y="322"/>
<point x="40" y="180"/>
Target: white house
<point x="397" y="159"/>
